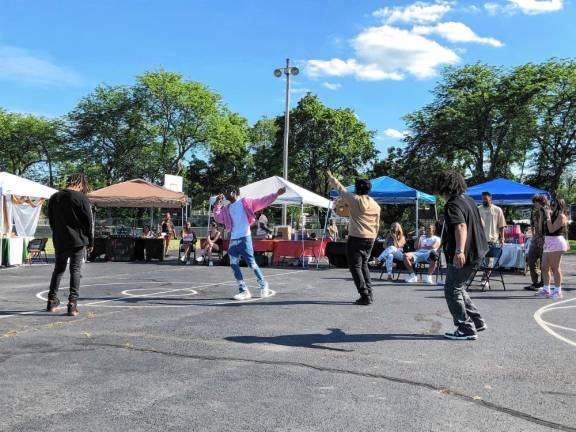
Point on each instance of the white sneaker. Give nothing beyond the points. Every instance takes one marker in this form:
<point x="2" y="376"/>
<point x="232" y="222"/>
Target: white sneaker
<point x="265" y="291"/>
<point x="412" y="279"/>
<point x="244" y="295"/>
<point x="183" y="259"/>
<point x="430" y="280"/>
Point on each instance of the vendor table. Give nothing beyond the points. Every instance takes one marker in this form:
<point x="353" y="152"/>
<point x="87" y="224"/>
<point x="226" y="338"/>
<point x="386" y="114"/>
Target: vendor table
<point x="13" y="251"/>
<point x="513" y="256"/>
<point x="299" y="249"/>
<point x="288" y="248"/>
<point x="127" y="249"/>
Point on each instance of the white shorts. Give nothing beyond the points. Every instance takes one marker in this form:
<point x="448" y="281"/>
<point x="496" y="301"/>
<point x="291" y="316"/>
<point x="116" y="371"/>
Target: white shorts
<point x="555" y="244"/>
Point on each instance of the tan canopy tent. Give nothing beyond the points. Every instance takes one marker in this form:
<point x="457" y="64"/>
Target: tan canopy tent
<point x="137" y="193"/>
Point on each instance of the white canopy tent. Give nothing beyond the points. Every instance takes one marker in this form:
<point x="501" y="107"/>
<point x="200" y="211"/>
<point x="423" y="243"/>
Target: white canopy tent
<point x="20" y="204"/>
<point x="295" y="195"/>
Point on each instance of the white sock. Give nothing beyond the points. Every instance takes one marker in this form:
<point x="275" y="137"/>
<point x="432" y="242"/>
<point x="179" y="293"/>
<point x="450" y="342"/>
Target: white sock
<point x="546" y="287"/>
<point x="412" y="275"/>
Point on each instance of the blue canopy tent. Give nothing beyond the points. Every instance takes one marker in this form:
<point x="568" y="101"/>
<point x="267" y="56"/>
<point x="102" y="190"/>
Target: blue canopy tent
<point x="505" y="192"/>
<point x="387" y="190"/>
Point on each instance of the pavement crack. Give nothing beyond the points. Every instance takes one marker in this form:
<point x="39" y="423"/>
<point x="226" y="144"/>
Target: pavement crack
<point x="443" y="390"/>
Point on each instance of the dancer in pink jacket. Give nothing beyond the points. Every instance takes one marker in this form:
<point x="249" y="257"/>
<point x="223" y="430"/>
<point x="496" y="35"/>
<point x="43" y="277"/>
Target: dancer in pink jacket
<point x="237" y="218"/>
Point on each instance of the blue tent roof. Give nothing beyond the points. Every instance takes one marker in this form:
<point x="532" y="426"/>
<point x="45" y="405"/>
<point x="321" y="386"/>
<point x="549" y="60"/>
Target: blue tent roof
<point x="505" y="192"/>
<point x="386" y="190"/>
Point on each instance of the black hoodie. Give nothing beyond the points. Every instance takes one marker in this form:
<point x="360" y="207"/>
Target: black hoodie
<point x="70" y="218"/>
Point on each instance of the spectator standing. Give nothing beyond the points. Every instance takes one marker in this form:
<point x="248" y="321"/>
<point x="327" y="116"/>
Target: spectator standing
<point x="492" y="219"/>
<point x="70" y="218"/>
<point x="538" y="227"/>
<point x="555" y="246"/>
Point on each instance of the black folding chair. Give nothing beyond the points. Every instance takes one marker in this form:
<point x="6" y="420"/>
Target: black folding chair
<point x="182" y="246"/>
<point x="37" y="247"/>
<point x="489" y="265"/>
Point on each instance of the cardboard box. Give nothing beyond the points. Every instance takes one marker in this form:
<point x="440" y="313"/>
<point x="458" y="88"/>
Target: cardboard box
<point x="284" y="232"/>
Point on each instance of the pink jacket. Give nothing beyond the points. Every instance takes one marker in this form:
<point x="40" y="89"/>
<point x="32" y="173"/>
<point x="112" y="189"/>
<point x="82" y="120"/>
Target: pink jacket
<point x="251" y="206"/>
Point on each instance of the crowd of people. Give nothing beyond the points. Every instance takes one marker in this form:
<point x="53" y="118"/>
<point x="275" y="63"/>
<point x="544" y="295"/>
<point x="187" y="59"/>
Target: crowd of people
<point x="468" y="232"/>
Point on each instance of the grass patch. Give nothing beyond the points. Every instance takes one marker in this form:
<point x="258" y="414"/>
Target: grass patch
<point x="50" y="246"/>
<point x="572" y="250"/>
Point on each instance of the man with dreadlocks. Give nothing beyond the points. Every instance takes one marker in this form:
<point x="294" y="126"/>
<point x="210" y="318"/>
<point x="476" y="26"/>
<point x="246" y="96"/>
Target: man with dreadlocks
<point x="70" y="218"/>
<point x="464" y="246"/>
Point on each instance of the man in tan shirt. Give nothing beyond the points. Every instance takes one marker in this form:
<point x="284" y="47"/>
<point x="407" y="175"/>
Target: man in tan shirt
<point x="362" y="231"/>
<point x="492" y="219"/>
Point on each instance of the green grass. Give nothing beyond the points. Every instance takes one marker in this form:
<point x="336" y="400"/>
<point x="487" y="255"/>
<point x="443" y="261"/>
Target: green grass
<point x="572" y="250"/>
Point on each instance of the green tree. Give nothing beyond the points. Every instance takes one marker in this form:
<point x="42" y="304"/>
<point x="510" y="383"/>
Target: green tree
<point x="320" y="137"/>
<point x="556" y="127"/>
<point x="30" y="145"/>
<point x="481" y="119"/>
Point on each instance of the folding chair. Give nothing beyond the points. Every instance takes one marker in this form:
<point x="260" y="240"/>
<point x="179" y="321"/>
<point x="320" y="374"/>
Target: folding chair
<point x="181" y="248"/>
<point x="490" y="264"/>
<point x="37" y="247"/>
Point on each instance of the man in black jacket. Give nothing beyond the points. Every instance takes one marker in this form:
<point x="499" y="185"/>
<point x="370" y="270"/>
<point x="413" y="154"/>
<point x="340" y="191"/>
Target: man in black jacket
<point x="464" y="246"/>
<point x="70" y="218"/>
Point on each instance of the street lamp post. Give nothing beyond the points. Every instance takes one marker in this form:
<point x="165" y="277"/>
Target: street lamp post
<point x="288" y="71"/>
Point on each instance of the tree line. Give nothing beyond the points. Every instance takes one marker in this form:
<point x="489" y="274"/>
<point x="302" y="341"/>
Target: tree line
<point x="485" y="121"/>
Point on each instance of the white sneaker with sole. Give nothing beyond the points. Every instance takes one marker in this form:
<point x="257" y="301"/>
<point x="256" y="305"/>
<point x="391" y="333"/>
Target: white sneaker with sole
<point x="412" y="279"/>
<point x="264" y="290"/>
<point x="430" y="280"/>
<point x="244" y="295"/>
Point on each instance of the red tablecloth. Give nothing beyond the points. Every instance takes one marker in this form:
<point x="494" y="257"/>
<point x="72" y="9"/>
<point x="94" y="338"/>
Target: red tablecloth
<point x="288" y="248"/>
<point x="298" y="249"/>
<point x="259" y="245"/>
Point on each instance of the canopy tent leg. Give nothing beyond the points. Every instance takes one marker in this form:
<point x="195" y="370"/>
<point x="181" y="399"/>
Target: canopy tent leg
<point x="435" y="211"/>
<point x="417" y="226"/>
<point x="302" y="230"/>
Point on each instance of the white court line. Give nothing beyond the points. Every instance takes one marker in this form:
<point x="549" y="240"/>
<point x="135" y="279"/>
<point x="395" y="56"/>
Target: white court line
<point x="546" y="325"/>
<point x="39" y="295"/>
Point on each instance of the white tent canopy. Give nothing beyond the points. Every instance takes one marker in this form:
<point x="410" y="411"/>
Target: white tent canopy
<point x="23" y="215"/>
<point x="14" y="185"/>
<point x="295" y="195"/>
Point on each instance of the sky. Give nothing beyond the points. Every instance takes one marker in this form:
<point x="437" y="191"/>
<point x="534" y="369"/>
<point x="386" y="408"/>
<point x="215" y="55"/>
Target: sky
<point x="379" y="58"/>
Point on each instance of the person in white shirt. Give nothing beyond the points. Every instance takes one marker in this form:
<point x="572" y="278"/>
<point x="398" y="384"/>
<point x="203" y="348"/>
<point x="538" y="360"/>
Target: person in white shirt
<point x="424" y="246"/>
<point x="262" y="231"/>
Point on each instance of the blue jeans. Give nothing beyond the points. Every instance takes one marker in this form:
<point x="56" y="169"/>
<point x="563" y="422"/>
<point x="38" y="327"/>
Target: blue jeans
<point x="243" y="247"/>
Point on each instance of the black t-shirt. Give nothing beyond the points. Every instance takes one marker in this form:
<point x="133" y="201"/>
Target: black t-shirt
<point x="70" y="218"/>
<point x="458" y="210"/>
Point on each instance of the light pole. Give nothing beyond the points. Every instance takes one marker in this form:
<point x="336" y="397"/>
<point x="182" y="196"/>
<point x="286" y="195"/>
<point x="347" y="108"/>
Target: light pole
<point x="288" y="71"/>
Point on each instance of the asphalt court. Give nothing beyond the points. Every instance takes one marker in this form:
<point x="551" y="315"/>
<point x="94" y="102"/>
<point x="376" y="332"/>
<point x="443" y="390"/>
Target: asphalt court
<point x="165" y="347"/>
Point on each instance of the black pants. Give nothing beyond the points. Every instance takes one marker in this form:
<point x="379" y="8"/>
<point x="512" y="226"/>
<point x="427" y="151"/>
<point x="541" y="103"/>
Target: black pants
<point x="535" y="254"/>
<point x="358" y="253"/>
<point x="464" y="313"/>
<point x="75" y="256"/>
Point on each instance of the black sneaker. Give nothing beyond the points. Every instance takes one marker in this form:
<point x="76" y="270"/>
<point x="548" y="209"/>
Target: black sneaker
<point x="531" y="288"/>
<point x="480" y="326"/>
<point x="458" y="335"/>
<point x="73" y="309"/>
<point x="363" y="301"/>
<point x="52" y="305"/>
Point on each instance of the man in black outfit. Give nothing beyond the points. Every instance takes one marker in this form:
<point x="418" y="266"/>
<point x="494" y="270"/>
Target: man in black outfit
<point x="465" y="245"/>
<point x="70" y="218"/>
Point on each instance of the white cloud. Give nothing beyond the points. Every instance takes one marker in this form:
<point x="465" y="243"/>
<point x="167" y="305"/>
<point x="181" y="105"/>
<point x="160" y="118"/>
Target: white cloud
<point x="332" y="86"/>
<point x="387" y="52"/>
<point x="528" y="7"/>
<point x="22" y="66"/>
<point x="419" y="12"/>
<point x="534" y="7"/>
<point x="392" y="133"/>
<point x="456" y="32"/>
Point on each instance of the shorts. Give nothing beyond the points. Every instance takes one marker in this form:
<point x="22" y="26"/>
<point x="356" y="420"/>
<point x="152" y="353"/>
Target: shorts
<point x="421" y="256"/>
<point x="555" y="244"/>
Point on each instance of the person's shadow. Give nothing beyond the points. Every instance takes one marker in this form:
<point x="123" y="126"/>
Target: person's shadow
<point x="336" y="336"/>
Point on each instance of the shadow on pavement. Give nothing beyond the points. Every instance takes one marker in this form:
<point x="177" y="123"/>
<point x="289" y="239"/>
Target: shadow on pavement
<point x="336" y="336"/>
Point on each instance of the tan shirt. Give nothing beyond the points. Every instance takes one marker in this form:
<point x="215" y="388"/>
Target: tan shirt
<point x="494" y="221"/>
<point x="364" y="213"/>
